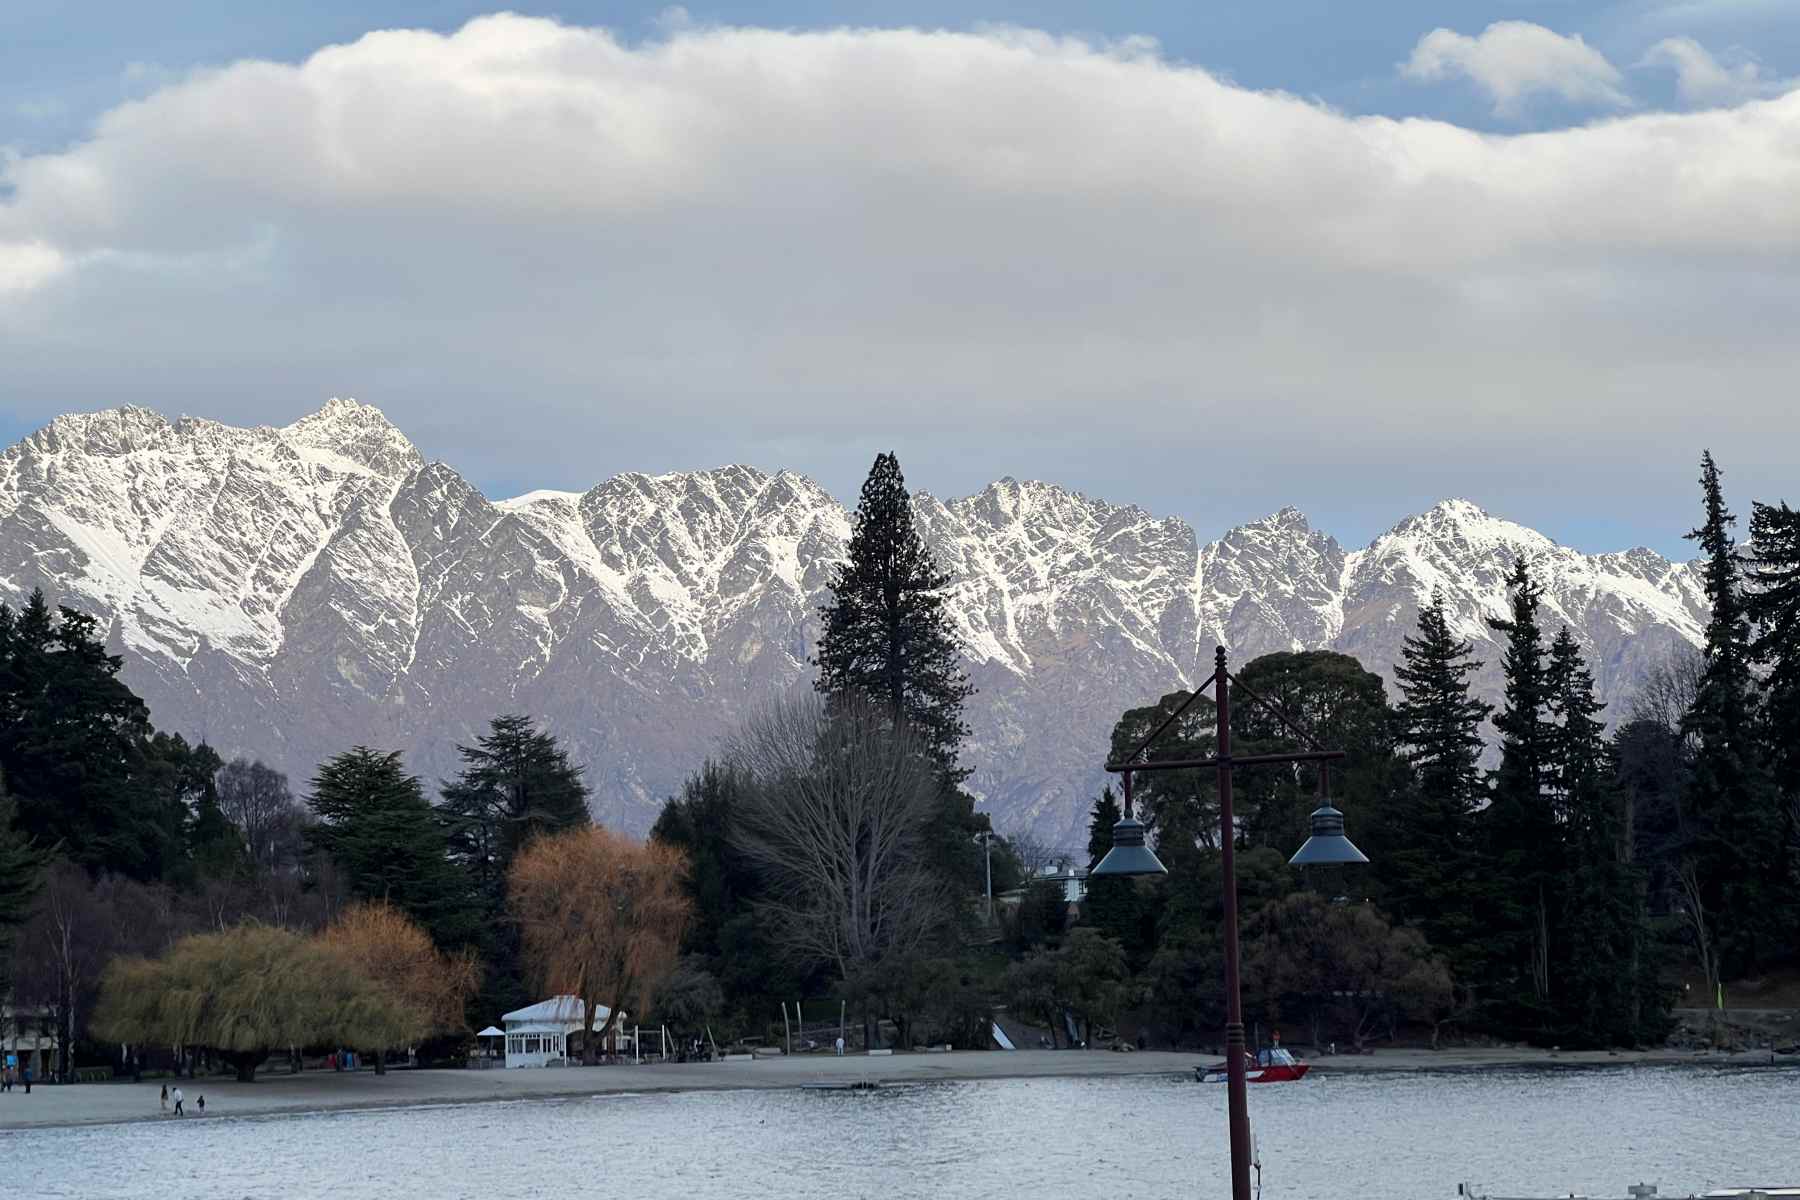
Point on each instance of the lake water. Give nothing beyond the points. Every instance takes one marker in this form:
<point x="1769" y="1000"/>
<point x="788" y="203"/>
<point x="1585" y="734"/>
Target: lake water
<point x="1325" y="1138"/>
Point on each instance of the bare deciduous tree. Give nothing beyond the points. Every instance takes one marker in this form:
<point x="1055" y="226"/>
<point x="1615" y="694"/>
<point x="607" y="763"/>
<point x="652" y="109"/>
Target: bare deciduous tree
<point x="1693" y="913"/>
<point x="834" y="820"/>
<point x="1669" y="687"/>
<point x="1034" y="855"/>
<point x="256" y="799"/>
<point x="62" y="949"/>
<point x="601" y="917"/>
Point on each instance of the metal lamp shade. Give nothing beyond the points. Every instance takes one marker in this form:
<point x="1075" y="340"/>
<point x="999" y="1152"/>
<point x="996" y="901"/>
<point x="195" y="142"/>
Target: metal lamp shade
<point x="1129" y="855"/>
<point x="1327" y="843"/>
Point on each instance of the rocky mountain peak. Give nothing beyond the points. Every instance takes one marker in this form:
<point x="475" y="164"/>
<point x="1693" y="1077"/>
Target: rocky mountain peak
<point x="356" y="433"/>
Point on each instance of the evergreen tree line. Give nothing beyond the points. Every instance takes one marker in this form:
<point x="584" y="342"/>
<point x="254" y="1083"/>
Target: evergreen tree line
<point x="1570" y="895"/>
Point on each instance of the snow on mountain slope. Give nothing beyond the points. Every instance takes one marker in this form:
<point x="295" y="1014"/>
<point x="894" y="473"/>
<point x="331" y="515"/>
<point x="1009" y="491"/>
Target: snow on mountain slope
<point x="291" y="592"/>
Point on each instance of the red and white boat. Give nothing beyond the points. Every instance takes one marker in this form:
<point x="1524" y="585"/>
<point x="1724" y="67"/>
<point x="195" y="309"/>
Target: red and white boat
<point x="1267" y="1066"/>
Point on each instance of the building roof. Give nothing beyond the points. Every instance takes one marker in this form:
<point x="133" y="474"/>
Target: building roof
<point x="558" y="1010"/>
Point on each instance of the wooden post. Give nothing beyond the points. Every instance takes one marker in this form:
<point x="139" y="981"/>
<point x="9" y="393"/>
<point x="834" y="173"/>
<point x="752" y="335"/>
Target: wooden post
<point x="787" y="1031"/>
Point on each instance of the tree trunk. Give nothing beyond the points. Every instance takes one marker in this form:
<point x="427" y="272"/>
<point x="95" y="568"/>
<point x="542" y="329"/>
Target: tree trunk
<point x="245" y="1063"/>
<point x="381" y="1062"/>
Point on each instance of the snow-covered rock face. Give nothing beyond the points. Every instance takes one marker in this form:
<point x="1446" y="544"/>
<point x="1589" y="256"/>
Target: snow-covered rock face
<point x="287" y="593"/>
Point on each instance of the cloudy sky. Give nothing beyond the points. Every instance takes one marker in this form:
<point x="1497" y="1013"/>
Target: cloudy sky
<point x="1208" y="259"/>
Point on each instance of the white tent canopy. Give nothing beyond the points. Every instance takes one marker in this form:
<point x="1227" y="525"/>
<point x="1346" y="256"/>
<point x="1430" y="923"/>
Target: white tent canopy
<point x="490" y="1031"/>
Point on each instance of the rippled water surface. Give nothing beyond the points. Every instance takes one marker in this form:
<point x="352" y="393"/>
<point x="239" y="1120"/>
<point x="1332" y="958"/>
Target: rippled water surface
<point x="1326" y="1138"/>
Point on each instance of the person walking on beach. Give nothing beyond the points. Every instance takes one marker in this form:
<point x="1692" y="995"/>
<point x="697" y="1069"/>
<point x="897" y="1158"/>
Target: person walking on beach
<point x="176" y="1097"/>
<point x="200" y="1105"/>
<point x="28" y="1081"/>
<point x="165" y="1098"/>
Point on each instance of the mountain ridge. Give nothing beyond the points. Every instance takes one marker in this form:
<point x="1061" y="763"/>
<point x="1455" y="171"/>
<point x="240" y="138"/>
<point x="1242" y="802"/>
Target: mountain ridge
<point x="286" y="592"/>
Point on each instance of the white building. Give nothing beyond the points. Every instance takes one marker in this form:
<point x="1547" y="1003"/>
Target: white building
<point x="25" y="1040"/>
<point x="1070" y="877"/>
<point x="549" y="1033"/>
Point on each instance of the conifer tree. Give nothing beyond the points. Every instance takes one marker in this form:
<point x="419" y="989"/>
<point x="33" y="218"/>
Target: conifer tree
<point x="1520" y="842"/>
<point x="1521" y="722"/>
<point x="216" y="848"/>
<point x="1735" y="831"/>
<point x="376" y="824"/>
<point x="72" y="741"/>
<point x="1774" y="607"/>
<point x="1106" y="813"/>
<point x="1598" y="924"/>
<point x="1575" y="742"/>
<point x="1439" y="721"/>
<point x="1428" y="873"/>
<point x="886" y="634"/>
<point x="21" y="866"/>
<point x="517" y="783"/>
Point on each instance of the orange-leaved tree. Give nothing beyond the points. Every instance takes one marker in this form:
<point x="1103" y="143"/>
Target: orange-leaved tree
<point x="601" y="919"/>
<point x="427" y="988"/>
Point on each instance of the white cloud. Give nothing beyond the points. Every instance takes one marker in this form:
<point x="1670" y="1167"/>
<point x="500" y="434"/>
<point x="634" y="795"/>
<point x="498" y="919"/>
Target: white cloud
<point x="1513" y="61"/>
<point x="1700" y="78"/>
<point x="552" y="256"/>
<point x="27" y="265"/>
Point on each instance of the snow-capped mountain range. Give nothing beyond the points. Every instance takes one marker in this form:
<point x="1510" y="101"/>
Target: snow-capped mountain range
<point x="287" y="593"/>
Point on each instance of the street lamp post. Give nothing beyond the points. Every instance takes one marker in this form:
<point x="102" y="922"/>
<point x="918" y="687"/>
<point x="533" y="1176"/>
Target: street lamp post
<point x="1130" y="856"/>
<point x="986" y="838"/>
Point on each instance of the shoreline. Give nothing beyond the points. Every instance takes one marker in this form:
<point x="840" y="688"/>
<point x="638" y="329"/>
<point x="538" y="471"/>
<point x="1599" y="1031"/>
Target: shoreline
<point x="319" y="1092"/>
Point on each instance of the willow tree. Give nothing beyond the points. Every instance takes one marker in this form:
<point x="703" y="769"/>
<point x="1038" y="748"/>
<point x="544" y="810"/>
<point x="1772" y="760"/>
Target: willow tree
<point x="243" y="993"/>
<point x="425" y="990"/>
<point x="601" y="918"/>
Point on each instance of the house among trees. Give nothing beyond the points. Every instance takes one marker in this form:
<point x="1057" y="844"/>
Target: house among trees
<point x="550" y="1032"/>
<point x="25" y="1040"/>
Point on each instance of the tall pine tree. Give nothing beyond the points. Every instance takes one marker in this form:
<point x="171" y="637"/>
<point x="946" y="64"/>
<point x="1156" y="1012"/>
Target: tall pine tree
<point x="1428" y="873"/>
<point x="886" y="634"/>
<point x="1732" y="858"/>
<point x="1520" y="845"/>
<point x="1774" y="604"/>
<point x="1604" y="974"/>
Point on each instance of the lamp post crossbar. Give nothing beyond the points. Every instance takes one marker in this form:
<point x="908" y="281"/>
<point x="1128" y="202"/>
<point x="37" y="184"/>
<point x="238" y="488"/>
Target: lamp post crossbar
<point x="1226" y="760"/>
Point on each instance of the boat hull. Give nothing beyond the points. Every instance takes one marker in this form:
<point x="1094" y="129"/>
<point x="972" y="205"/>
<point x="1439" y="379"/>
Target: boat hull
<point x="1270" y="1074"/>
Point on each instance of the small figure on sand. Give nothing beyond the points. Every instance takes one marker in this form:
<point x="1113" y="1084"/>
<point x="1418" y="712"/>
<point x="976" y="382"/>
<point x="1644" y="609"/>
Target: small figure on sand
<point x="200" y="1105"/>
<point x="176" y="1097"/>
<point x="840" y="1047"/>
<point x="165" y="1098"/>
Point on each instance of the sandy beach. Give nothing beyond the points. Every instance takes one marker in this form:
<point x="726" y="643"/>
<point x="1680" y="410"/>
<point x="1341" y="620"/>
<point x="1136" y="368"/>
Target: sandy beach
<point x="327" y="1091"/>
